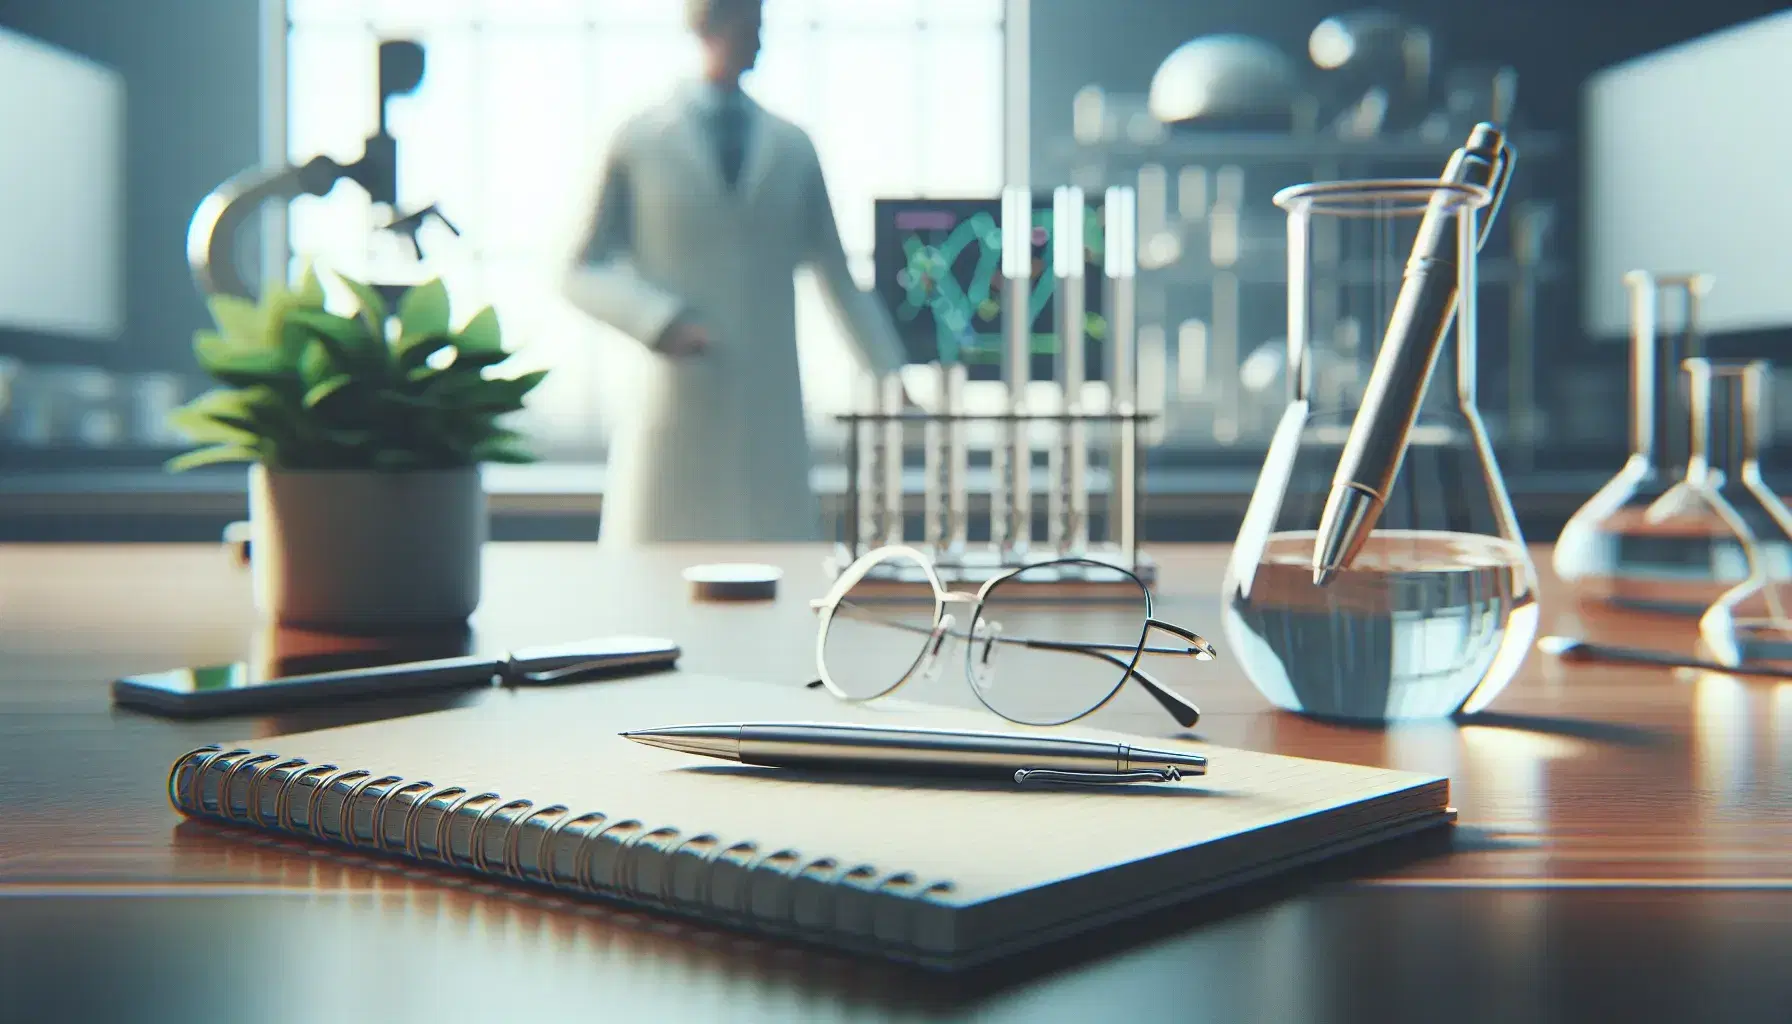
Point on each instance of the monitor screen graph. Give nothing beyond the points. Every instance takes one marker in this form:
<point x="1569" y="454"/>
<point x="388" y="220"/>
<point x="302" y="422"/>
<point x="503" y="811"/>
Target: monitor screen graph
<point x="939" y="273"/>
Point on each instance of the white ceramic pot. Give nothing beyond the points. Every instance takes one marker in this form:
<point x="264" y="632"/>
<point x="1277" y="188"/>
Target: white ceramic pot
<point x="363" y="551"/>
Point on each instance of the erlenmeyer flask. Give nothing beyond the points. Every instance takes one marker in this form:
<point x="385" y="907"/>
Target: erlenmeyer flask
<point x="1747" y="621"/>
<point x="1438" y="610"/>
<point x="1609" y="550"/>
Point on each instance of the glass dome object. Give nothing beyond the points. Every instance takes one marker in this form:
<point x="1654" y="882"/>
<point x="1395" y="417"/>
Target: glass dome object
<point x="1612" y="550"/>
<point x="1747" y="622"/>
<point x="1438" y="611"/>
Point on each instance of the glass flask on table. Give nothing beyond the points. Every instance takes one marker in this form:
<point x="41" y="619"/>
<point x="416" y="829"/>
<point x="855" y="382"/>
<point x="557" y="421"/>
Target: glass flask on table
<point x="1612" y="550"/>
<point x="1438" y="610"/>
<point x="1746" y="622"/>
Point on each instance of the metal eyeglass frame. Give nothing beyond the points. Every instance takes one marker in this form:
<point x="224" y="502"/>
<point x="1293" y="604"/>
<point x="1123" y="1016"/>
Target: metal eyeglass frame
<point x="1180" y="708"/>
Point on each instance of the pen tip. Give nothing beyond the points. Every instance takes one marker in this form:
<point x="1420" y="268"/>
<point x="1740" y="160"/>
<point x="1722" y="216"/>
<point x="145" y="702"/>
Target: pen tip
<point x="1344" y="526"/>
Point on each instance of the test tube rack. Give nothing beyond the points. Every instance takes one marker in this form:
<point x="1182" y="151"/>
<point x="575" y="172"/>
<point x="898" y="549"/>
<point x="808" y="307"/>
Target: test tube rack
<point x="876" y="511"/>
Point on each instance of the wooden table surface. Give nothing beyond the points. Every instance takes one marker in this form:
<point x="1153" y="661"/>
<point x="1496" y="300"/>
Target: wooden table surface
<point x="1624" y="852"/>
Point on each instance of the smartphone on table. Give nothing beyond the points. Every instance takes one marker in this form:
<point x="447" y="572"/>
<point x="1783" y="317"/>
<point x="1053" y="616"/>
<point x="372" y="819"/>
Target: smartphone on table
<point x="238" y="688"/>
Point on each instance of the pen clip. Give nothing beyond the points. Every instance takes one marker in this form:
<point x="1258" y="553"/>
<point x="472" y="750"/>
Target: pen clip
<point x="1496" y="189"/>
<point x="1033" y="775"/>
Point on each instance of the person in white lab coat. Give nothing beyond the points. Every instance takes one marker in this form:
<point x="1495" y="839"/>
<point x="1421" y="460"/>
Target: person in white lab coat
<point x="708" y="205"/>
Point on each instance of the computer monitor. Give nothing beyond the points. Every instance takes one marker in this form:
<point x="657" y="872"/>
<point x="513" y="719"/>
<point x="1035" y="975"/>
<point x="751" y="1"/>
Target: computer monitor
<point x="1686" y="171"/>
<point x="61" y="193"/>
<point x="938" y="265"/>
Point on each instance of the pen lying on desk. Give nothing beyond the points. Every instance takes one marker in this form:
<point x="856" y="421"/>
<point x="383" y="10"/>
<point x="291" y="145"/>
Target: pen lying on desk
<point x="882" y="750"/>
<point x="1582" y="652"/>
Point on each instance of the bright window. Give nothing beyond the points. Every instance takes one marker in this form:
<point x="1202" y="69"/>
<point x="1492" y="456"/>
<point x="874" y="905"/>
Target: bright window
<point x="520" y="98"/>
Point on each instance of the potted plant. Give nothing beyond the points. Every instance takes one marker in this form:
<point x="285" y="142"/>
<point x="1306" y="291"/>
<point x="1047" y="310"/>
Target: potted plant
<point x="366" y="433"/>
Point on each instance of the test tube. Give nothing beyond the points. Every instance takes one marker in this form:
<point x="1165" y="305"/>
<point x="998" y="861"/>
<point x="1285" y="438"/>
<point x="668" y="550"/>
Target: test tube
<point x="934" y="463"/>
<point x="1011" y="519"/>
<point x="1225" y="245"/>
<point x="868" y="454"/>
<point x="891" y="405"/>
<point x="1120" y="262"/>
<point x="956" y="528"/>
<point x="1070" y="506"/>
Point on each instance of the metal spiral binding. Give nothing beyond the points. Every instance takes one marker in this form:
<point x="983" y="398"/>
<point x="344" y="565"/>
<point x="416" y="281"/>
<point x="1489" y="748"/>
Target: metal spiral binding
<point x="481" y="862"/>
<point x="348" y="805"/>
<point x="513" y="842"/>
<point x="255" y="781"/>
<point x="669" y="880"/>
<point x="413" y="820"/>
<point x="630" y="838"/>
<point x="283" y="796"/>
<point x="313" y="815"/>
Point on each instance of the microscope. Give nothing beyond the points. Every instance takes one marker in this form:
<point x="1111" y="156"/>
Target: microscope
<point x="211" y="237"/>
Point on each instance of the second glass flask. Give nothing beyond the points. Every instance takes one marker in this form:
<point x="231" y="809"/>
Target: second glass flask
<point x="1618" y="548"/>
<point x="1747" y="622"/>
<point x="1439" y="610"/>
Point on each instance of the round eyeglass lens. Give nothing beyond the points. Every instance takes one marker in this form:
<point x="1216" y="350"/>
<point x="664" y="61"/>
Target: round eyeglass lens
<point x="880" y="630"/>
<point x="1052" y="642"/>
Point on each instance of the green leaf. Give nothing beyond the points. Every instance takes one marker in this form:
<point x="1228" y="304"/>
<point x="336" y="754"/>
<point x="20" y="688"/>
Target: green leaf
<point x="423" y="312"/>
<point x="318" y="364"/>
<point x="396" y="459"/>
<point x="496" y="394"/>
<point x="479" y="359"/>
<point x="410" y="402"/>
<point x="373" y="308"/>
<point x="201" y="427"/>
<point x="349" y="438"/>
<point x="322" y="392"/>
<point x="261" y="413"/>
<point x="234" y="363"/>
<point x="211" y="456"/>
<point x="501" y="449"/>
<point x="351" y="342"/>
<point x="238" y="319"/>
<point x="230" y="403"/>
<point x="519" y="385"/>
<point x="481" y="334"/>
<point x="311" y="290"/>
<point x="413" y="356"/>
<point x="345" y="331"/>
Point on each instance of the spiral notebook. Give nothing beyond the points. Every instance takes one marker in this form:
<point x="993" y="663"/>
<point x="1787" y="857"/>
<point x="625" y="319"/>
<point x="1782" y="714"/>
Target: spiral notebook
<point x="538" y="788"/>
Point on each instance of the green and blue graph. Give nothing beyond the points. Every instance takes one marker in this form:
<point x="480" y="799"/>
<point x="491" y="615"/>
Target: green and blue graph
<point x="939" y="271"/>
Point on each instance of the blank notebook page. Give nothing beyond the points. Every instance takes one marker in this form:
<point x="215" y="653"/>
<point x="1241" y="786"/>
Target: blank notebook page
<point x="985" y="839"/>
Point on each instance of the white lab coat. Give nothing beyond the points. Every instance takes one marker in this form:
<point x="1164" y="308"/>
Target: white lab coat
<point x="717" y="448"/>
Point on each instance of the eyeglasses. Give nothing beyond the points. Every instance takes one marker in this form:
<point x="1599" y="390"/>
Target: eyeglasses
<point x="1032" y="661"/>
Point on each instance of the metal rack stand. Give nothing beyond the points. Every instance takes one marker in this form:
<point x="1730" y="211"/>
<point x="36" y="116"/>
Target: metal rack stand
<point x="876" y="510"/>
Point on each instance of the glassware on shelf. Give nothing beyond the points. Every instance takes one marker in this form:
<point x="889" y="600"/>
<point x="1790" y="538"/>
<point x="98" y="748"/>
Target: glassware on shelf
<point x="1610" y="550"/>
<point x="1723" y="488"/>
<point x="1439" y="610"/>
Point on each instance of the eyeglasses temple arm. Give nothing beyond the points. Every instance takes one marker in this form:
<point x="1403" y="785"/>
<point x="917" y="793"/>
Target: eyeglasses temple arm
<point x="1202" y="650"/>
<point x="1180" y="708"/>
<point x="1199" y="647"/>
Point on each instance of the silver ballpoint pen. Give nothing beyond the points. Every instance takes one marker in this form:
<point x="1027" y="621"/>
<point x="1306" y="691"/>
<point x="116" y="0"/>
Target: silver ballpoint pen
<point x="1415" y="336"/>
<point x="884" y="750"/>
